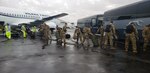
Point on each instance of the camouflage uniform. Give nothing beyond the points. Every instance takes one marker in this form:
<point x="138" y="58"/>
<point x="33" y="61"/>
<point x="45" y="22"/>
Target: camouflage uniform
<point x="100" y="39"/>
<point x="86" y="35"/>
<point x="59" y="36"/>
<point x="41" y="27"/>
<point x="65" y="28"/>
<point x="63" y="31"/>
<point x="109" y="35"/>
<point x="146" y="36"/>
<point x="77" y="34"/>
<point x="46" y="34"/>
<point x="131" y="35"/>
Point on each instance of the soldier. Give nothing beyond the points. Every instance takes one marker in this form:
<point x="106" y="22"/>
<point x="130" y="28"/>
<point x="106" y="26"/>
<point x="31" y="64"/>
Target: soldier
<point x="101" y="31"/>
<point x="146" y="36"/>
<point x="86" y="35"/>
<point x="41" y="27"/>
<point x="46" y="32"/>
<point x="110" y="33"/>
<point x="8" y="31"/>
<point x="64" y="30"/>
<point x="131" y="35"/>
<point x="23" y="29"/>
<point x="77" y="34"/>
<point x="63" y="36"/>
<point x="58" y="36"/>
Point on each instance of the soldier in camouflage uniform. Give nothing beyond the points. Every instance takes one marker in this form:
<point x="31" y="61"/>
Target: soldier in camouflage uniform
<point x="59" y="35"/>
<point x="64" y="30"/>
<point x="77" y="34"/>
<point x="146" y="36"/>
<point x="110" y="33"/>
<point x="86" y="35"/>
<point x="41" y="27"/>
<point x="131" y="35"/>
<point x="100" y="39"/>
<point x="46" y="33"/>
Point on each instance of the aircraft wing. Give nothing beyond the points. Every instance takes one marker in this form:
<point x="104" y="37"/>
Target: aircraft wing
<point x="38" y="22"/>
<point x="55" y="16"/>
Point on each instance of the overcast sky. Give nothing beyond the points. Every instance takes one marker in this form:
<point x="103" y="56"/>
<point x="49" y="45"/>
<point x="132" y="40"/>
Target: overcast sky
<point x="75" y="8"/>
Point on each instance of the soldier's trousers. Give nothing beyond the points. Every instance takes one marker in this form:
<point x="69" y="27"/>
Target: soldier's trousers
<point x="64" y="39"/>
<point x="87" y="39"/>
<point x="130" y="37"/>
<point x="108" y="37"/>
<point x="100" y="41"/>
<point x="146" y="41"/>
<point x="79" y="37"/>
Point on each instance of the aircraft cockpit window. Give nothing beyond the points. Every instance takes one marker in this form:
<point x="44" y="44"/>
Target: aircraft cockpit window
<point x="93" y="22"/>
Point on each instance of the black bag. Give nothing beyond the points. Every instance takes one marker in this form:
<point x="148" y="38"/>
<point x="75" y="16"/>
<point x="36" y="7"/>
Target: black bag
<point x="108" y="28"/>
<point x="68" y="36"/>
<point x="129" y="29"/>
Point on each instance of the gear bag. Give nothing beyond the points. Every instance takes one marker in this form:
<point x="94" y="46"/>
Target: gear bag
<point x="108" y="28"/>
<point x="129" y="29"/>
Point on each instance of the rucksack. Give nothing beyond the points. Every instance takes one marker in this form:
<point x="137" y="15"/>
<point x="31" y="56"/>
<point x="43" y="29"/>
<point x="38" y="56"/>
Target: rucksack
<point x="129" y="29"/>
<point x="108" y="28"/>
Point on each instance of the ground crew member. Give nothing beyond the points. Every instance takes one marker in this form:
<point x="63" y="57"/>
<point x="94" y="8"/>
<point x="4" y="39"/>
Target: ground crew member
<point x="86" y="35"/>
<point x="101" y="38"/>
<point x="131" y="35"/>
<point x="8" y="31"/>
<point x="110" y="33"/>
<point x="146" y="36"/>
<point x="33" y="30"/>
<point x="46" y="32"/>
<point x="77" y="34"/>
<point x="23" y="29"/>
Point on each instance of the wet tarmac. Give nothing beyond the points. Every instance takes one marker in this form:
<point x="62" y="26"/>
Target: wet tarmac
<point x="27" y="56"/>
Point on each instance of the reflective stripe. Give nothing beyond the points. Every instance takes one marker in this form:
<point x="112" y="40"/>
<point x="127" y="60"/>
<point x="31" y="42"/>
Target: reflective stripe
<point x="7" y="28"/>
<point x="33" y="29"/>
<point x="23" y="28"/>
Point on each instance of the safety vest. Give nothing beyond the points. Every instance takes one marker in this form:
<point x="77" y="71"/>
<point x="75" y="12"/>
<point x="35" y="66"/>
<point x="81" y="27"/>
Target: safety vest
<point x="33" y="29"/>
<point x="7" y="28"/>
<point x="23" y="28"/>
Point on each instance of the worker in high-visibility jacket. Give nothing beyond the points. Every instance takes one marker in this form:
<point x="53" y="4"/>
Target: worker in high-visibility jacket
<point x="8" y="31"/>
<point x="23" y="29"/>
<point x="33" y="29"/>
